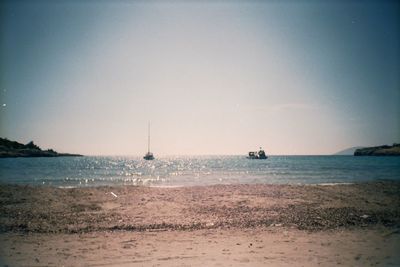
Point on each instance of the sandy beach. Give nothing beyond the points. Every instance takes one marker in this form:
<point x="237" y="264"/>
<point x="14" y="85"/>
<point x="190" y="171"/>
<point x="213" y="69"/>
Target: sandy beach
<point x="222" y="225"/>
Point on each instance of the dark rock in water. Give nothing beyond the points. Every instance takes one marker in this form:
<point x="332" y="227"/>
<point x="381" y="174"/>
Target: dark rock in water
<point x="13" y="149"/>
<point x="385" y="150"/>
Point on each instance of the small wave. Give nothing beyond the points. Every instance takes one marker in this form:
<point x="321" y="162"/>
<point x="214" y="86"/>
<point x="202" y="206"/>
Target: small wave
<point x="330" y="184"/>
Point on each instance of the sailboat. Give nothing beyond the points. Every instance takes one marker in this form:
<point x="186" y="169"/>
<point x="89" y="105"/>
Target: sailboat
<point x="149" y="155"/>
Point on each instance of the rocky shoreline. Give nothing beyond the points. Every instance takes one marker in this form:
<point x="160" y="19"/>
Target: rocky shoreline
<point x="385" y="150"/>
<point x="305" y="207"/>
<point x="13" y="149"/>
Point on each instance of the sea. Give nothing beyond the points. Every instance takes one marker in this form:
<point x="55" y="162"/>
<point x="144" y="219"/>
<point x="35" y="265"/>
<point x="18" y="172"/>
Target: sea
<point x="178" y="171"/>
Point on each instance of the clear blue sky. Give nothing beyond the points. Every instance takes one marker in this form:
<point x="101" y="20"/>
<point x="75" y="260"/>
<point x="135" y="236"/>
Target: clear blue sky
<point x="296" y="77"/>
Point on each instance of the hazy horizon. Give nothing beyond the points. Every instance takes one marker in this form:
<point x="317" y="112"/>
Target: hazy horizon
<point x="163" y="155"/>
<point x="214" y="78"/>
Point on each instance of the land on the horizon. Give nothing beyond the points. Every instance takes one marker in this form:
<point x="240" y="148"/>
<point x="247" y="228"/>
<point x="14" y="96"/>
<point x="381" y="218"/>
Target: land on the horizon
<point x="384" y="150"/>
<point x="348" y="151"/>
<point x="13" y="149"/>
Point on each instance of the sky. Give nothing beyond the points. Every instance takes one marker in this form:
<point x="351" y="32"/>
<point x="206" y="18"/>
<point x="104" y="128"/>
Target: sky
<point x="212" y="77"/>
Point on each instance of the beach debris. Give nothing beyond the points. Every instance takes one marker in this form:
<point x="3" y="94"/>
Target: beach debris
<point x="209" y="224"/>
<point x="112" y="193"/>
<point x="365" y="216"/>
<point x="276" y="224"/>
<point x="285" y="233"/>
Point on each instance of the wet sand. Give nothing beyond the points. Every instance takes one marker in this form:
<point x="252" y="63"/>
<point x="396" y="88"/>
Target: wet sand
<point x="225" y="225"/>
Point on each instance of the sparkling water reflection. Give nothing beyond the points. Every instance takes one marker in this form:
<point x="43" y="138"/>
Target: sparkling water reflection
<point x="189" y="171"/>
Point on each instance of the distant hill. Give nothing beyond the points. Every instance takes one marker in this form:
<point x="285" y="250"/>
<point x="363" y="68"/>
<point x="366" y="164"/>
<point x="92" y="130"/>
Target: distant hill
<point x="384" y="150"/>
<point x="13" y="149"/>
<point x="348" y="151"/>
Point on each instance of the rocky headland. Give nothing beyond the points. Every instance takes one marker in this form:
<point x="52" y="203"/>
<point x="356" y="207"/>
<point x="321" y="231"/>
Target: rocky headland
<point x="385" y="150"/>
<point x="13" y="149"/>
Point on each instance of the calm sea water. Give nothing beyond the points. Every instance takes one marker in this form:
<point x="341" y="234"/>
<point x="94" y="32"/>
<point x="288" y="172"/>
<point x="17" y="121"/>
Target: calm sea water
<point x="203" y="170"/>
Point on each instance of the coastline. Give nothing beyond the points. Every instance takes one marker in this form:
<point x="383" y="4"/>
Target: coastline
<point x="35" y="154"/>
<point x="218" y="213"/>
<point x="14" y="149"/>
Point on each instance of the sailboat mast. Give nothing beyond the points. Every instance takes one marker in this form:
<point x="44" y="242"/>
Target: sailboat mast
<point x="148" y="139"/>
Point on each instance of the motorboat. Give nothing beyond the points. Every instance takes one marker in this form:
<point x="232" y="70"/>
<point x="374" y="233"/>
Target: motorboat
<point x="257" y="154"/>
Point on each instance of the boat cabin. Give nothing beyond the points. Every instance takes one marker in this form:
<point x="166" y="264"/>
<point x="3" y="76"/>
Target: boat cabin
<point x="257" y="155"/>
